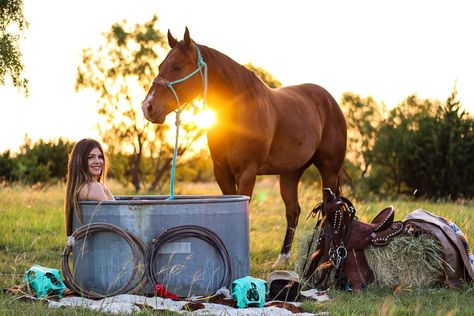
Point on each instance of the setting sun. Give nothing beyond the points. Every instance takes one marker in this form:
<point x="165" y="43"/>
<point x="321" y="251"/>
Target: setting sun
<point x="205" y="119"/>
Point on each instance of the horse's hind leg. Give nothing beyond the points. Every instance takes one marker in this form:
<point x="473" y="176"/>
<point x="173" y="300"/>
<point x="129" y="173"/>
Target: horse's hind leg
<point x="329" y="170"/>
<point x="289" y="194"/>
<point x="330" y="155"/>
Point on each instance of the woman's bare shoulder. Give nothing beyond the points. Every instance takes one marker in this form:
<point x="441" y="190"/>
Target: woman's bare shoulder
<point x="92" y="191"/>
<point x="108" y="193"/>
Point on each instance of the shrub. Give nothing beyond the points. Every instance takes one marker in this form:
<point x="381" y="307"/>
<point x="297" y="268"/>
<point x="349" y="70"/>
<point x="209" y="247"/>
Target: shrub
<point x="7" y="164"/>
<point x="42" y="161"/>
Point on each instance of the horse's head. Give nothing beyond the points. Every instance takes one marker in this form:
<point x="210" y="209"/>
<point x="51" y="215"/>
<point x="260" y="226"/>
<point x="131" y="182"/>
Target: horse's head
<point x="178" y="80"/>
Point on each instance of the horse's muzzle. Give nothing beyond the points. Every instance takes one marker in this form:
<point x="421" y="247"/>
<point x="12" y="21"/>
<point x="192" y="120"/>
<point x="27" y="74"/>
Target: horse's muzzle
<point x="157" y="117"/>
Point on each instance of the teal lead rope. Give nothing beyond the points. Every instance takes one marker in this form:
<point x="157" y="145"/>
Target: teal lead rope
<point x="200" y="65"/>
<point x="175" y="153"/>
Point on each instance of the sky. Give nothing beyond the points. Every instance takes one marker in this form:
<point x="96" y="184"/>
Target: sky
<point x="384" y="49"/>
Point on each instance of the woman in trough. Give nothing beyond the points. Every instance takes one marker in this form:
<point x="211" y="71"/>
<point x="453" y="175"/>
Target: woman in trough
<point x="85" y="178"/>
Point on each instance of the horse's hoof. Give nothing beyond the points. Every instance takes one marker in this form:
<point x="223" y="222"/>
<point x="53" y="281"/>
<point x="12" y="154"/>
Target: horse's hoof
<point x="282" y="261"/>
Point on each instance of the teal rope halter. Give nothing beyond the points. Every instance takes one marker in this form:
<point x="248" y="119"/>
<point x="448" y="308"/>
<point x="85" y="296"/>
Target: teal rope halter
<point x="163" y="82"/>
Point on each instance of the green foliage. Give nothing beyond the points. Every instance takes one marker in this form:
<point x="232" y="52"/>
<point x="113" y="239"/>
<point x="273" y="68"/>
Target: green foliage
<point x="384" y="178"/>
<point x="391" y="141"/>
<point x="126" y="61"/>
<point x="121" y="71"/>
<point x="311" y="176"/>
<point x="424" y="148"/>
<point x="421" y="147"/>
<point x="7" y="165"/>
<point x="264" y="75"/>
<point x="197" y="169"/>
<point x="38" y="162"/>
<point x="363" y="117"/>
<point x="439" y="156"/>
<point x="11" y="12"/>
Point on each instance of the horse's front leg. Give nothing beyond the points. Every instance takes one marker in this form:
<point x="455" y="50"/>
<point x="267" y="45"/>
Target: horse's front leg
<point x="289" y="194"/>
<point x="225" y="179"/>
<point x="246" y="180"/>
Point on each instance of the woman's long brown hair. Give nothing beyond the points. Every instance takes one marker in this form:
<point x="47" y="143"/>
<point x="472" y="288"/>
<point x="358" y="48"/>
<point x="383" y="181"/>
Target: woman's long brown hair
<point x="77" y="176"/>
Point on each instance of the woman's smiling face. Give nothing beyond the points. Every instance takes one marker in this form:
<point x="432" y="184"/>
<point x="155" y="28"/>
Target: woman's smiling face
<point x="95" y="163"/>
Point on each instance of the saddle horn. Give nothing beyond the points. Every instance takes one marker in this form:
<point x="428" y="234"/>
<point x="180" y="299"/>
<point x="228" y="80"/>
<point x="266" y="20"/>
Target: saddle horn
<point x="329" y="192"/>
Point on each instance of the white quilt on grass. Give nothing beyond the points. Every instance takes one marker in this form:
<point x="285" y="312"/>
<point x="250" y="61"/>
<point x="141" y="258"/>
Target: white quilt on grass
<point x="127" y="304"/>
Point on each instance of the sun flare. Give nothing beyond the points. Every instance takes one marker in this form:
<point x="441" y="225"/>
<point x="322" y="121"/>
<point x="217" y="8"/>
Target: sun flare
<point x="205" y="119"/>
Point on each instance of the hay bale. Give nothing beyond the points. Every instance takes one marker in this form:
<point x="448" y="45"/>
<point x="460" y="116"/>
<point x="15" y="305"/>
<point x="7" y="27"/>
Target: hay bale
<point x="306" y="245"/>
<point x="406" y="261"/>
<point x="302" y="249"/>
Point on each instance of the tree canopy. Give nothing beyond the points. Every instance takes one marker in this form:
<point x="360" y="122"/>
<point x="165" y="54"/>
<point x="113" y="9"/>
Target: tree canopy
<point x="420" y="147"/>
<point x="12" y="24"/>
<point x="264" y="75"/>
<point x="121" y="70"/>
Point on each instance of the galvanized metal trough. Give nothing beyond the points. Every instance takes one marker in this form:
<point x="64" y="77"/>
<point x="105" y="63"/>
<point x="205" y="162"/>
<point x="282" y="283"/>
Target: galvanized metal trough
<point x="104" y="261"/>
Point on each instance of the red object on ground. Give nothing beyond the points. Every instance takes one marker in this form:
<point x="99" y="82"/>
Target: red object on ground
<point x="161" y="291"/>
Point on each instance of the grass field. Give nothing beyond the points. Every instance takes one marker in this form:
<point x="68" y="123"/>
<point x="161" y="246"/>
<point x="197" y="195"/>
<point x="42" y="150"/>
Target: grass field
<point x="31" y="222"/>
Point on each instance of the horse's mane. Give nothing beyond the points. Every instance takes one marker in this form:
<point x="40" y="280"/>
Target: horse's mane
<point x="242" y="80"/>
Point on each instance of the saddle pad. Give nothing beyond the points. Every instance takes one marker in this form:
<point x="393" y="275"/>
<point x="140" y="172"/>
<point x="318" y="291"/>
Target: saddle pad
<point x="421" y="215"/>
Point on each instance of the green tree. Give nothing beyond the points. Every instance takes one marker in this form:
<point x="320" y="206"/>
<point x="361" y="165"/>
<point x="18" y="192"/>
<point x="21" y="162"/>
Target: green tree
<point x="438" y="160"/>
<point x="7" y="166"/>
<point x="121" y="71"/>
<point x="12" y="24"/>
<point x="41" y="161"/>
<point x="425" y="148"/>
<point x="264" y="75"/>
<point x="393" y="138"/>
<point x="363" y="117"/>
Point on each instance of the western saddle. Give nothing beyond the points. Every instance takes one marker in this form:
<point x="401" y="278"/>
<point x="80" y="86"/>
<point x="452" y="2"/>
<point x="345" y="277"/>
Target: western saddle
<point x="342" y="240"/>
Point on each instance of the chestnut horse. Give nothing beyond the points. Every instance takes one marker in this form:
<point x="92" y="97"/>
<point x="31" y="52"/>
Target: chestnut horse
<point x="259" y="130"/>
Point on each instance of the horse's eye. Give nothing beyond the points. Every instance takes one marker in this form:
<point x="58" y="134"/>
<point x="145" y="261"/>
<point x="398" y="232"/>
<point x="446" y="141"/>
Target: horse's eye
<point x="177" y="67"/>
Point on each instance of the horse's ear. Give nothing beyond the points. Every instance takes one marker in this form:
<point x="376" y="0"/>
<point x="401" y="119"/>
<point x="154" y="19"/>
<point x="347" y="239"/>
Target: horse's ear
<point x="171" y="40"/>
<point x="187" y="38"/>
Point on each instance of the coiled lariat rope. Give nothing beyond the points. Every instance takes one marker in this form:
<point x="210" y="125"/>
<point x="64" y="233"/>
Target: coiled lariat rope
<point x="200" y="66"/>
<point x="181" y="232"/>
<point x="138" y="250"/>
<point x="146" y="269"/>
